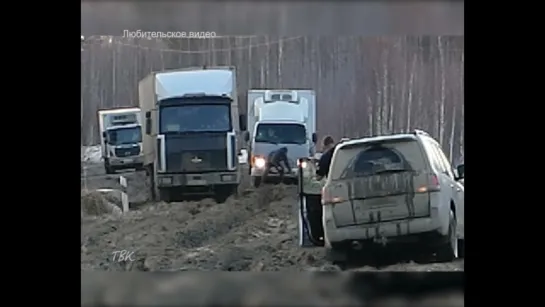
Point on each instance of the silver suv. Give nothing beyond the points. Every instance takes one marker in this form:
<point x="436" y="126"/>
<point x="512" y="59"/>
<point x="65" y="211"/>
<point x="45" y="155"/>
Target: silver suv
<point x="389" y="189"/>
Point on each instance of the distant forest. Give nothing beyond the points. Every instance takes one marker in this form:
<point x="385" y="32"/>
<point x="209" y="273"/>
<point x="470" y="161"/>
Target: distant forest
<point x="365" y="85"/>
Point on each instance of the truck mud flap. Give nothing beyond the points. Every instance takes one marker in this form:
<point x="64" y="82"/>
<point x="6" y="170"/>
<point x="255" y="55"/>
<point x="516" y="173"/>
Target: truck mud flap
<point x="306" y="236"/>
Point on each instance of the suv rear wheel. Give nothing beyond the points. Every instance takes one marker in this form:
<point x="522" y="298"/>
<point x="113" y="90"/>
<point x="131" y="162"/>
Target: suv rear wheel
<point x="449" y="250"/>
<point x="461" y="248"/>
<point x="337" y="256"/>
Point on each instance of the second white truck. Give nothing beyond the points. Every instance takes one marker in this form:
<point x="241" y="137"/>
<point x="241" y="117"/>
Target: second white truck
<point x="280" y="118"/>
<point x="121" y="139"/>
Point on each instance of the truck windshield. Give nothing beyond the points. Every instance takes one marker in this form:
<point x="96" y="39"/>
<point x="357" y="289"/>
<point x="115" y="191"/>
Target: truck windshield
<point x="121" y="136"/>
<point x="281" y="134"/>
<point x="195" y="118"/>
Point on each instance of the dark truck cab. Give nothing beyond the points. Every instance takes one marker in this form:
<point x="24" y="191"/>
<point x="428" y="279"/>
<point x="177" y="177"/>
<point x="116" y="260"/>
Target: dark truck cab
<point x="191" y="144"/>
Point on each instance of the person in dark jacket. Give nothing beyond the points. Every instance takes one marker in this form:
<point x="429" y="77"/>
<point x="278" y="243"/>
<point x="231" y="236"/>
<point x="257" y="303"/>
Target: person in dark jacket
<point x="275" y="160"/>
<point x="325" y="160"/>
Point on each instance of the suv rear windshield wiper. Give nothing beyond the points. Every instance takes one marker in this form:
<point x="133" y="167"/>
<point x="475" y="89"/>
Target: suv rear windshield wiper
<point x="397" y="170"/>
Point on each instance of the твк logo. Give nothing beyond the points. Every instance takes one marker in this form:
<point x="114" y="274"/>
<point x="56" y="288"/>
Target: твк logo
<point x="123" y="255"/>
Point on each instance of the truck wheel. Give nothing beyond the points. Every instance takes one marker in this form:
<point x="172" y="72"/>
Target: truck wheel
<point x="256" y="182"/>
<point x="449" y="251"/>
<point x="222" y="193"/>
<point x="165" y="194"/>
<point x="150" y="183"/>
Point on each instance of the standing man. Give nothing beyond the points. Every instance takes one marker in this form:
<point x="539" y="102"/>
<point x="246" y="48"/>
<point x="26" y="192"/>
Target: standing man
<point x="328" y="147"/>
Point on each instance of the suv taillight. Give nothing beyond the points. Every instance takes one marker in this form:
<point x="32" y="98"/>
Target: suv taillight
<point x="324" y="196"/>
<point x="327" y="199"/>
<point x="432" y="187"/>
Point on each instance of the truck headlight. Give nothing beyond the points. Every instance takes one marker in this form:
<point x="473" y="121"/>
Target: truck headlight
<point x="259" y="162"/>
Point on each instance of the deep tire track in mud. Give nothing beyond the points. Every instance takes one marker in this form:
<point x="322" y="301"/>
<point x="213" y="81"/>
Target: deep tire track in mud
<point x="257" y="244"/>
<point x="256" y="232"/>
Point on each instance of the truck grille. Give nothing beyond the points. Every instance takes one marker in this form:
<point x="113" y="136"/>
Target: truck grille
<point x="196" y="153"/>
<point x="127" y="152"/>
<point x="198" y="161"/>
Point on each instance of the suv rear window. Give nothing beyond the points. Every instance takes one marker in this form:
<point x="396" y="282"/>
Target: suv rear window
<point x="362" y="160"/>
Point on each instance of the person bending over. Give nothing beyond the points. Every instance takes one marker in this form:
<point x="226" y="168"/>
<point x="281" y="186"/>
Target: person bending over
<point x="277" y="159"/>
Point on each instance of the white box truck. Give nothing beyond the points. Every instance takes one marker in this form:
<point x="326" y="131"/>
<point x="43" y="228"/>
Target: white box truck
<point x="121" y="138"/>
<point x="280" y="118"/>
<point x="191" y="125"/>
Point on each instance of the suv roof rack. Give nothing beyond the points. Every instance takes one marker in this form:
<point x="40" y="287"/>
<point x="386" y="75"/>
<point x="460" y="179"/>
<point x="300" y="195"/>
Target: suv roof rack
<point x="421" y="132"/>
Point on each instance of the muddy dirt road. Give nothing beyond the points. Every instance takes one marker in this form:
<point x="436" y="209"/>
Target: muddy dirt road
<point x="247" y="289"/>
<point x="256" y="232"/>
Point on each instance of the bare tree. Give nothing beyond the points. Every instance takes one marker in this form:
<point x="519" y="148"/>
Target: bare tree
<point x="365" y="85"/>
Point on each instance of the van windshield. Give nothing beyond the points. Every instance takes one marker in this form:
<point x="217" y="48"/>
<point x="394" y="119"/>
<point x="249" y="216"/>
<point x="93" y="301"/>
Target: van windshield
<point x="281" y="134"/>
<point x="122" y="136"/>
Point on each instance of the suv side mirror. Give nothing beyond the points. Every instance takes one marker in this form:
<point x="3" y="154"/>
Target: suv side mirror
<point x="148" y="122"/>
<point x="105" y="137"/>
<point x="242" y="122"/>
<point x="246" y="136"/>
<point x="314" y="137"/>
<point x="460" y="170"/>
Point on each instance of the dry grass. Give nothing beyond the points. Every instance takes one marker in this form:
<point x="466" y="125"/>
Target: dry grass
<point x="96" y="204"/>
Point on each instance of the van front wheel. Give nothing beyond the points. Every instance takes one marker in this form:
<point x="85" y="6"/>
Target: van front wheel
<point x="256" y="182"/>
<point x="108" y="169"/>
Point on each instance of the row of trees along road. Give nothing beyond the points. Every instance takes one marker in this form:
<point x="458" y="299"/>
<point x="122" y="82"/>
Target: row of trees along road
<point x="365" y="85"/>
